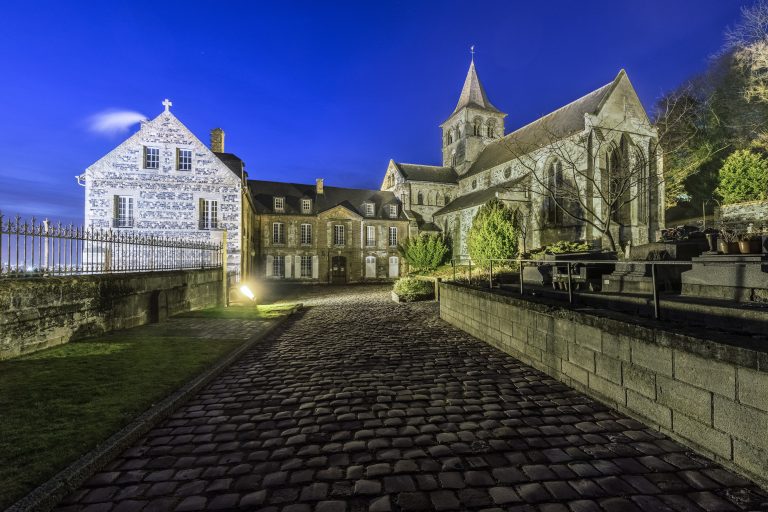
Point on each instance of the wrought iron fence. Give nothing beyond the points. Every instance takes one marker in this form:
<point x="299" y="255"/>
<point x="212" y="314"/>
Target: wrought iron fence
<point x="567" y="274"/>
<point x="29" y="248"/>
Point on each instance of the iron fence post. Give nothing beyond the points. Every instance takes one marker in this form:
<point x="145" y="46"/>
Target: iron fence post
<point x="522" y="265"/>
<point x="470" y="272"/>
<point x="490" y="274"/>
<point x="654" y="286"/>
<point x="453" y="266"/>
<point x="570" y="283"/>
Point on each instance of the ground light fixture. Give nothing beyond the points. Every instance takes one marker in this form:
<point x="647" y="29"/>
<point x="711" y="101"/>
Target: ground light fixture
<point x="246" y="291"/>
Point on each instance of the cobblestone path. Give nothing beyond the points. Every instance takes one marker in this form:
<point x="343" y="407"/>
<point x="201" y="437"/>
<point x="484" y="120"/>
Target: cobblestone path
<point x="361" y="404"/>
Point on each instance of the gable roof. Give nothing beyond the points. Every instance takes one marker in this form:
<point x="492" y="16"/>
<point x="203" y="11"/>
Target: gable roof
<point x="473" y="93"/>
<point x="233" y="162"/>
<point x="430" y="173"/>
<point x="353" y="199"/>
<point x="478" y="197"/>
<point x="561" y="123"/>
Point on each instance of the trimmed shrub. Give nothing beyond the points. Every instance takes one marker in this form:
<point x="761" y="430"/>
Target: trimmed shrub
<point x="410" y="289"/>
<point x="743" y="177"/>
<point x="426" y="251"/>
<point x="494" y="233"/>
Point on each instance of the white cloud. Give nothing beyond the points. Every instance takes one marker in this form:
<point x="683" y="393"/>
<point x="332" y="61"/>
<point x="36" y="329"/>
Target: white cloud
<point x="112" y="122"/>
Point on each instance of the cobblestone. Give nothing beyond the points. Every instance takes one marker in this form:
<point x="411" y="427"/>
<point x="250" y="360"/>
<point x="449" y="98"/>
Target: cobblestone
<point x="360" y="404"/>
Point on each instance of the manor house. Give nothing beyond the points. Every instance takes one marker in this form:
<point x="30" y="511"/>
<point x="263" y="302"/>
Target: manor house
<point x="586" y="171"/>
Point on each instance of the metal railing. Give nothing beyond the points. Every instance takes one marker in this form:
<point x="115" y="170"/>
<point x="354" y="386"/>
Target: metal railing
<point x="35" y="249"/>
<point x="567" y="278"/>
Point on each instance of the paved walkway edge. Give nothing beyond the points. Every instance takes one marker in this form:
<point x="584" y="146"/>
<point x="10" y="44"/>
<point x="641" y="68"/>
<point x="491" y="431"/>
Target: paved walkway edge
<point x="50" y="493"/>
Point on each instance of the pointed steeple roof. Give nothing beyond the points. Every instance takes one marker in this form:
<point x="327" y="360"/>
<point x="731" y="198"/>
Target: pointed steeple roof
<point x="473" y="93"/>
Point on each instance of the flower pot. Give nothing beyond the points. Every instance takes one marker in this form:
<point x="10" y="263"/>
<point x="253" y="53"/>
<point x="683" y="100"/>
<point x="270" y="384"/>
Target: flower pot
<point x="749" y="246"/>
<point x="712" y="241"/>
<point x="727" y="247"/>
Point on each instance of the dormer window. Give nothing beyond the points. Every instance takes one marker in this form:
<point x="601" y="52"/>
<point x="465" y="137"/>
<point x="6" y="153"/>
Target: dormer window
<point x="393" y="210"/>
<point x="369" y="209"/>
<point x="306" y="206"/>
<point x="279" y="204"/>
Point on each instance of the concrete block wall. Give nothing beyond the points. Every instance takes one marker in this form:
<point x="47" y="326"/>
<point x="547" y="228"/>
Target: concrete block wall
<point x="43" y="312"/>
<point x="710" y="396"/>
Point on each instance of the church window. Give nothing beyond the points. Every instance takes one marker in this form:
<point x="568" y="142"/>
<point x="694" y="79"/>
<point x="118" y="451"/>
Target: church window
<point x="449" y="138"/>
<point x="489" y="131"/>
<point x="507" y="172"/>
<point x="278" y="266"/>
<point x="392" y="236"/>
<point x="278" y="233"/>
<point x="447" y="198"/>
<point x="369" y="209"/>
<point x="209" y="214"/>
<point x="338" y="234"/>
<point x="151" y="158"/>
<point x="279" y="204"/>
<point x="306" y="266"/>
<point x="556" y="198"/>
<point x="476" y="127"/>
<point x="419" y="198"/>
<point x="370" y="235"/>
<point x="183" y="159"/>
<point x="474" y="184"/>
<point x="643" y="200"/>
<point x="123" y="212"/>
<point x="306" y="206"/>
<point x="393" y="210"/>
<point x="306" y="234"/>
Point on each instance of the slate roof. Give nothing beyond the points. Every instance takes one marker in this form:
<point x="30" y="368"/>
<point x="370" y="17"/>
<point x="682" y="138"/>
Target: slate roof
<point x="264" y="192"/>
<point x="234" y="162"/>
<point x="473" y="93"/>
<point x="477" y="198"/>
<point x="561" y="123"/>
<point x="430" y="173"/>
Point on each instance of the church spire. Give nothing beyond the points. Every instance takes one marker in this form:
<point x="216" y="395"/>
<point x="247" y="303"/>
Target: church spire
<point x="473" y="93"/>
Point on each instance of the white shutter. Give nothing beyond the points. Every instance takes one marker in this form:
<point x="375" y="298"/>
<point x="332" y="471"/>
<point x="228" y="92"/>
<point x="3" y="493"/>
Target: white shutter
<point x="297" y="266"/>
<point x="270" y="261"/>
<point x="287" y="260"/>
<point x="315" y="267"/>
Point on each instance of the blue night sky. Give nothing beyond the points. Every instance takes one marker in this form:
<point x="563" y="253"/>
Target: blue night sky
<point x="307" y="90"/>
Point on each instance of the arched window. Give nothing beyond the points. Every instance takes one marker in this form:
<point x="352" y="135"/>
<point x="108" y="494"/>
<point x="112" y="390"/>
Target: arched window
<point x="449" y="138"/>
<point x="447" y="198"/>
<point x="419" y="198"/>
<point x="555" y="201"/>
<point x="618" y="180"/>
<point x="491" y="128"/>
<point x="453" y="158"/>
<point x="641" y="177"/>
<point x="477" y="126"/>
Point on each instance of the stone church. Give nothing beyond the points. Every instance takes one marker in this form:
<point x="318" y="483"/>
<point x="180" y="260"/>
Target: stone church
<point x="559" y="172"/>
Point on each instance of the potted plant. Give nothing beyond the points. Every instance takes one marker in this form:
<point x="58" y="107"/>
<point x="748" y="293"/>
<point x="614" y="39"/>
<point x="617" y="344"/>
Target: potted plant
<point x="728" y="242"/>
<point x="749" y="243"/>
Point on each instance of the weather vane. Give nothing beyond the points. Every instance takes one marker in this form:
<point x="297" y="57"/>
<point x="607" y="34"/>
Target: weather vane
<point x="472" y="51"/>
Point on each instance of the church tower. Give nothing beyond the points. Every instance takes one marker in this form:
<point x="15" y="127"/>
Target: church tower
<point x="474" y="123"/>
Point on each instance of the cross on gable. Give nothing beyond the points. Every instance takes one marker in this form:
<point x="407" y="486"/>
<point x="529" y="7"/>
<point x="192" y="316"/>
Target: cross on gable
<point x="167" y="104"/>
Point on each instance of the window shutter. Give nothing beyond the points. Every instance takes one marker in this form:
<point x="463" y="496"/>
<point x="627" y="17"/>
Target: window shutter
<point x="315" y="267"/>
<point x="115" y="208"/>
<point x="297" y="266"/>
<point x="201" y="212"/>
<point x="287" y="260"/>
<point x="270" y="262"/>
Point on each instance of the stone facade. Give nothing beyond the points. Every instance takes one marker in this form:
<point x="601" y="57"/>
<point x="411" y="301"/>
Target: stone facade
<point x="486" y="163"/>
<point x="163" y="181"/>
<point x="708" y="395"/>
<point x="40" y="313"/>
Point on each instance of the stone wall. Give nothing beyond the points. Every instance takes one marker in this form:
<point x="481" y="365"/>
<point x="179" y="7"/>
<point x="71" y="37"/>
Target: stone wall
<point x="40" y="313"/>
<point x="710" y="396"/>
<point x="743" y="214"/>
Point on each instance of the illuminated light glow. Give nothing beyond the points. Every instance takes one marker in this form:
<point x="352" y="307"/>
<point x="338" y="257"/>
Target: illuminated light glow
<point x="247" y="292"/>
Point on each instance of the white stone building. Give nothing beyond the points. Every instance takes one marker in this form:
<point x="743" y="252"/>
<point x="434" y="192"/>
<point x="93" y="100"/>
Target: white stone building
<point x="163" y="181"/>
<point x="580" y="148"/>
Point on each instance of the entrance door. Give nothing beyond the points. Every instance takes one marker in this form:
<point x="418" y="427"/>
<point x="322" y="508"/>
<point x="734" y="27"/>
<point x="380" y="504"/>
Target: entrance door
<point x="370" y="267"/>
<point x="338" y="269"/>
<point x="394" y="266"/>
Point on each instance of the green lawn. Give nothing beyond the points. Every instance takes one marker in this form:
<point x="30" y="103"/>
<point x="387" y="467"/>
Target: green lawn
<point x="58" y="403"/>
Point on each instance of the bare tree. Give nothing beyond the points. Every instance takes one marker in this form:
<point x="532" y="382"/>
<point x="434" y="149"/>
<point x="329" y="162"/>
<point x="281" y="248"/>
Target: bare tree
<point x="591" y="177"/>
<point x="748" y="40"/>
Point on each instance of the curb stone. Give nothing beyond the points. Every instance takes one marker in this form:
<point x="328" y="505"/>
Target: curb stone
<point x="46" y="496"/>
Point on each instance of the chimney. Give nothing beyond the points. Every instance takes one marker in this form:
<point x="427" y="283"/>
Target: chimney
<point x="319" y="185"/>
<point x="217" y="140"/>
